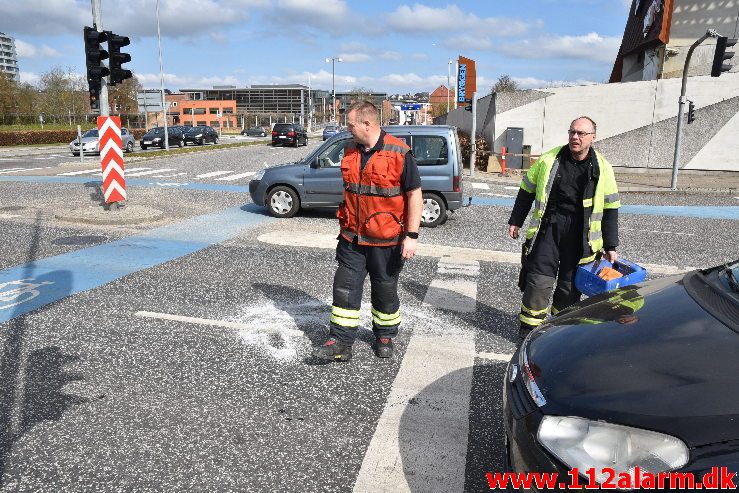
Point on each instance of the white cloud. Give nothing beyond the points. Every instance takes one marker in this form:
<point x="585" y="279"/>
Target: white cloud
<point x="468" y="43"/>
<point x="332" y="16"/>
<point x="354" y="57"/>
<point x="591" y="46"/>
<point x="174" y="81"/>
<point x="420" y="56"/>
<point x="391" y="55"/>
<point x="30" y="78"/>
<point x="28" y="50"/>
<point x="421" y="18"/>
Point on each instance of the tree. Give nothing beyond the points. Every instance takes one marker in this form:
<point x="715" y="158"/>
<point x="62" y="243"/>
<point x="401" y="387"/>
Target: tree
<point x="360" y="94"/>
<point x="62" y="92"/>
<point x="124" y="95"/>
<point x="505" y="84"/>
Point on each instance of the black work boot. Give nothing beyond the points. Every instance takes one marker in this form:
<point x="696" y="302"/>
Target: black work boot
<point x="333" y="350"/>
<point x="383" y="347"/>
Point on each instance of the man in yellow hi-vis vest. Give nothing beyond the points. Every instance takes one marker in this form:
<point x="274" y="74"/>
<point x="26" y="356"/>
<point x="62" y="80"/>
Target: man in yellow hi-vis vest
<point x="575" y="198"/>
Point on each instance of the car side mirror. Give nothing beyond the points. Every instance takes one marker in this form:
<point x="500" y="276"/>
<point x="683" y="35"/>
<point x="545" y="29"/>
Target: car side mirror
<point x="315" y="164"/>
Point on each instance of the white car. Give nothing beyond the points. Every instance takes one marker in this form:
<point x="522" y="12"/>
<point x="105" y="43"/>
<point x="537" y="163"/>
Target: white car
<point x="91" y="144"/>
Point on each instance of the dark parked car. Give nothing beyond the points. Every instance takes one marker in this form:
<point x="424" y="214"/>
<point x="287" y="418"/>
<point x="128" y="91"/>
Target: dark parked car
<point x="255" y="132"/>
<point x="201" y="135"/>
<point x="155" y="138"/>
<point x="331" y="130"/>
<point x="316" y="181"/>
<point x="642" y="376"/>
<point x="289" y="133"/>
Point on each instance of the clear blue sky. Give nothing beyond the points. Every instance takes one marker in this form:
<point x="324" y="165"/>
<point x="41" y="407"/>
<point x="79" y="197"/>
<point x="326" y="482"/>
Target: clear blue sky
<point x="386" y="46"/>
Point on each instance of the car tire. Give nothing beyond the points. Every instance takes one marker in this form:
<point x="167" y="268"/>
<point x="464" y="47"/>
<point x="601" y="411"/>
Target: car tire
<point x="215" y="140"/>
<point x="129" y="147"/>
<point x="283" y="202"/>
<point x="434" y="211"/>
<point x="143" y="147"/>
<point x="181" y="144"/>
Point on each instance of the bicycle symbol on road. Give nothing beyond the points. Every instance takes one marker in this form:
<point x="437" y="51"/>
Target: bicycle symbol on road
<point x="19" y="291"/>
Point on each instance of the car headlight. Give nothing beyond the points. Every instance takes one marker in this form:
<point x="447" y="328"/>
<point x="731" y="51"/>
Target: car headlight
<point x="259" y="174"/>
<point x="156" y="139"/>
<point x="582" y="443"/>
<point x="198" y="136"/>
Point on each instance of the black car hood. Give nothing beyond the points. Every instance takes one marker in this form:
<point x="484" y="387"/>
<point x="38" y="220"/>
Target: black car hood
<point x="674" y="369"/>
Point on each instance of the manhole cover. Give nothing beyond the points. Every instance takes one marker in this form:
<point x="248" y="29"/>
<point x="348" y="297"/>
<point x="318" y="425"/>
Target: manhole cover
<point x="12" y="208"/>
<point x="79" y="240"/>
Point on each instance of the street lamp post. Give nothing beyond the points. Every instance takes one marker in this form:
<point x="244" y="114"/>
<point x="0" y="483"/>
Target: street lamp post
<point x="333" y="84"/>
<point x="161" y="82"/>
<point x="448" y="83"/>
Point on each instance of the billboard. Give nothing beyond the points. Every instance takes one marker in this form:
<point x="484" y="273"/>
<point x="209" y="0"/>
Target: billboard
<point x="466" y="79"/>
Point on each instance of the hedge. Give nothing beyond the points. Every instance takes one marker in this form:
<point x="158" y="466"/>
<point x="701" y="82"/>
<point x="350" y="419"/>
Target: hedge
<point x="35" y="137"/>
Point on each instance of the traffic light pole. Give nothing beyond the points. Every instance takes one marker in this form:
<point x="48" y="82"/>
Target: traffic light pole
<point x="473" y="136"/>
<point x="97" y="19"/>
<point x="681" y="109"/>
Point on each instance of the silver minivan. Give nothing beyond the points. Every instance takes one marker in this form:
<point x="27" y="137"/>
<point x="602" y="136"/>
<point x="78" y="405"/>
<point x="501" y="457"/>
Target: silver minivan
<point x="316" y="181"/>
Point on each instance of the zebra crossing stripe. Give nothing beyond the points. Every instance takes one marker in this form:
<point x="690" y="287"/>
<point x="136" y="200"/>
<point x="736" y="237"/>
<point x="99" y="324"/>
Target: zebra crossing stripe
<point x="83" y="172"/>
<point x="431" y="397"/>
<point x="480" y="186"/>
<point x="236" y="177"/>
<point x="214" y="173"/>
<point x="19" y="170"/>
<point x="151" y="172"/>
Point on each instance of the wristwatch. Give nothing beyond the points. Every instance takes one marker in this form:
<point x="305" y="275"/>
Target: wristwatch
<point x="412" y="234"/>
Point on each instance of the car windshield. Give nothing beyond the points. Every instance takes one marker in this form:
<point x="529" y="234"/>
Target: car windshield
<point x="157" y="130"/>
<point x="283" y="126"/>
<point x="195" y="130"/>
<point x="91" y="133"/>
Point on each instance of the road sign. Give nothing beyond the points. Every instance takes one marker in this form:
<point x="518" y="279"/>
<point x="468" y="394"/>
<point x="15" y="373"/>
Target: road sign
<point x="150" y="102"/>
<point x="111" y="158"/>
<point x="410" y="107"/>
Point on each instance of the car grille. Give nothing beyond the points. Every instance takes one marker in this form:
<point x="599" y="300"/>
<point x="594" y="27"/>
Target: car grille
<point x="521" y="402"/>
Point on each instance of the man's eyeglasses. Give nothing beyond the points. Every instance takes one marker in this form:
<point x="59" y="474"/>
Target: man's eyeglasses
<point x="579" y="133"/>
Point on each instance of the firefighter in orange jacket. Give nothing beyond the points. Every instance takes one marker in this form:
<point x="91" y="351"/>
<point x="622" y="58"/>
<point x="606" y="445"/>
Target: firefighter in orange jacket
<point x="379" y="221"/>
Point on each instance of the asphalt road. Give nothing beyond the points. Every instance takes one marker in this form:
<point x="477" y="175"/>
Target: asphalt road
<point x="174" y="355"/>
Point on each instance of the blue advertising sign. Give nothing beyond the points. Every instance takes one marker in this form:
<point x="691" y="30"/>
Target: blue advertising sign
<point x="461" y="83"/>
<point x="410" y="107"/>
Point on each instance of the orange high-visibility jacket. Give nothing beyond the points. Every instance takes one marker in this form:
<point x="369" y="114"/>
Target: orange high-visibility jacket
<point x="374" y="205"/>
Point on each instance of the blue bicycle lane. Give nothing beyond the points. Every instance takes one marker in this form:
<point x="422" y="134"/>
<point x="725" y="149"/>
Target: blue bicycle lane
<point x="27" y="287"/>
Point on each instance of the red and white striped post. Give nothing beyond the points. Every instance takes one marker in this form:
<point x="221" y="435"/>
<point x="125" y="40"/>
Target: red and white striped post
<point x="111" y="158"/>
<point x="502" y="160"/>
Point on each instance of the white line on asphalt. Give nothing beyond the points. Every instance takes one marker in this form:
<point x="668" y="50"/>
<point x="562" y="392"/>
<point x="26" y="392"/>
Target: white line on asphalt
<point x="5" y="172"/>
<point x="8" y="216"/>
<point x="328" y="241"/>
<point x="455" y="286"/>
<point x="83" y="172"/>
<point x="511" y="188"/>
<point x="11" y="170"/>
<point x="219" y="323"/>
<point x="151" y="172"/>
<point x="214" y="173"/>
<point x="168" y="176"/>
<point x="495" y="356"/>
<point x="498" y="195"/>
<point x="480" y="186"/>
<point x="44" y="158"/>
<point x="430" y="398"/>
<point x="236" y="177"/>
<point x="660" y="232"/>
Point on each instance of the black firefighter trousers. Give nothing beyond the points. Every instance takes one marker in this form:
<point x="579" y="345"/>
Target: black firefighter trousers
<point x="555" y="257"/>
<point x="383" y="265"/>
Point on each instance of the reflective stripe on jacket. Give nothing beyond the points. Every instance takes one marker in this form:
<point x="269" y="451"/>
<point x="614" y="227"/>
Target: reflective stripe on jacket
<point x="374" y="206"/>
<point x="539" y="181"/>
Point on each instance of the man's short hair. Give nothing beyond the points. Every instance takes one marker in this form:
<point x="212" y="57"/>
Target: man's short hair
<point x="585" y="118"/>
<point x="365" y="110"/>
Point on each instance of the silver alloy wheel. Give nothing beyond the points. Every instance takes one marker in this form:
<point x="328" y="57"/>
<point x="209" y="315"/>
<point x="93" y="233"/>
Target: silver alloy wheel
<point x="281" y="202"/>
<point x="129" y="147"/>
<point x="431" y="211"/>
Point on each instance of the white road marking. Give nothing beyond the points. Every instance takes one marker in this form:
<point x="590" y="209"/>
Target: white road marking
<point x="11" y="170"/>
<point x="6" y="172"/>
<point x="328" y="241"/>
<point x="455" y="286"/>
<point x="169" y="184"/>
<point x="8" y="216"/>
<point x="220" y="323"/>
<point x="498" y="195"/>
<point x="659" y="232"/>
<point x="480" y="186"/>
<point x="168" y="176"/>
<point x="83" y="172"/>
<point x="45" y="158"/>
<point x="431" y="396"/>
<point x="214" y="173"/>
<point x="151" y="172"/>
<point x="511" y="188"/>
<point x="236" y="177"/>
<point x="495" y="356"/>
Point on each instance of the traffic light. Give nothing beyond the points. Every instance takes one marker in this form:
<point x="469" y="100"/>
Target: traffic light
<point x="468" y="106"/>
<point x="691" y="112"/>
<point x="117" y="58"/>
<point x="721" y="55"/>
<point x="96" y="70"/>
